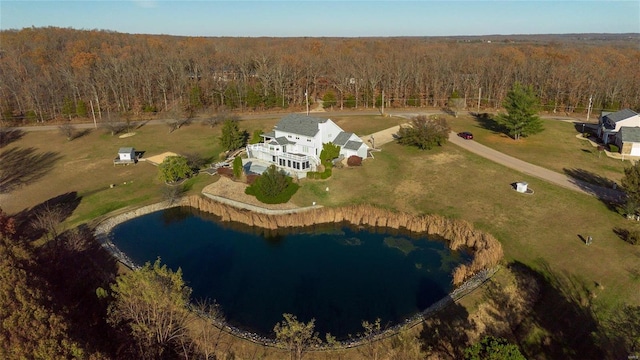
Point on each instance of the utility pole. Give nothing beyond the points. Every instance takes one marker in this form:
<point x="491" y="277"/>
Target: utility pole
<point x="589" y="108"/>
<point x="479" y="97"/>
<point x="95" y="125"/>
<point x="306" y="95"/>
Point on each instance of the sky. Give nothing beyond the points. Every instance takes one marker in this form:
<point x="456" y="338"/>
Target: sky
<point x="328" y="18"/>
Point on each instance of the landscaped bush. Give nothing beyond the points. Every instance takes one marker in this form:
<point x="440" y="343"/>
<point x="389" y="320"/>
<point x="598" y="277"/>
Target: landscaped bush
<point x="354" y="160"/>
<point x="613" y="148"/>
<point x="272" y="187"/>
<point x="237" y="167"/>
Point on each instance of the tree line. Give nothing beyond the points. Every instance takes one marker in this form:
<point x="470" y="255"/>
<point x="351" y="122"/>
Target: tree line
<point x="60" y="73"/>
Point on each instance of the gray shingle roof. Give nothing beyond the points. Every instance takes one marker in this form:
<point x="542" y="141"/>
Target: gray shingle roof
<point x="352" y="145"/>
<point x="284" y="141"/>
<point x="621" y="115"/>
<point x="300" y="125"/>
<point x="270" y="134"/>
<point x="630" y="134"/>
<point x="125" y="150"/>
<point x="342" y="138"/>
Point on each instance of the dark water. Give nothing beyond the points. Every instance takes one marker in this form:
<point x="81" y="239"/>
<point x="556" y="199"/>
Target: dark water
<point x="338" y="275"/>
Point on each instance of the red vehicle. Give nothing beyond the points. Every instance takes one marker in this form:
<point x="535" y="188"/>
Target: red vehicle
<point x="466" y="135"/>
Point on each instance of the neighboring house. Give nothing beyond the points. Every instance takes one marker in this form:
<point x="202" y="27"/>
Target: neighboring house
<point x="628" y="140"/>
<point x="126" y="155"/>
<point x="295" y="143"/>
<point x="611" y="124"/>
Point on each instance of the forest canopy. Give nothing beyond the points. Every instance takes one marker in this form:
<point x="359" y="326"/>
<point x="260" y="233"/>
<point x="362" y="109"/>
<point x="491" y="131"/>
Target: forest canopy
<point x="51" y="73"/>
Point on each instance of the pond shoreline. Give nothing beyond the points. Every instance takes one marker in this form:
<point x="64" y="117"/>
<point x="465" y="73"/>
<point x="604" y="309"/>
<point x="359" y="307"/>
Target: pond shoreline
<point x="457" y="233"/>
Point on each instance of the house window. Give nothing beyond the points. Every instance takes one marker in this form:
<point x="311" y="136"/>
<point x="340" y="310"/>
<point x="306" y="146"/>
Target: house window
<point x="297" y="137"/>
<point x="308" y="140"/>
<point x="274" y="159"/>
<point x="288" y="163"/>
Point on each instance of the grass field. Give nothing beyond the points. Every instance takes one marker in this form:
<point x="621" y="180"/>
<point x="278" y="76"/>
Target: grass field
<point x="556" y="148"/>
<point x="544" y="231"/>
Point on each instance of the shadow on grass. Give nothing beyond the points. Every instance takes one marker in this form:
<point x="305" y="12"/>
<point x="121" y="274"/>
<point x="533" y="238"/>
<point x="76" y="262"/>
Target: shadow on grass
<point x="23" y="166"/>
<point x="487" y="122"/>
<point x="445" y="333"/>
<point x="601" y="187"/>
<point x="7" y="136"/>
<point x="64" y="205"/>
<point x="549" y="316"/>
<point x="79" y="134"/>
<point x="582" y="128"/>
<point x="448" y="111"/>
<point x="75" y="269"/>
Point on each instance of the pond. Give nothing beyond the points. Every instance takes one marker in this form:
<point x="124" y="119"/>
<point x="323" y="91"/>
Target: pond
<point x="338" y="274"/>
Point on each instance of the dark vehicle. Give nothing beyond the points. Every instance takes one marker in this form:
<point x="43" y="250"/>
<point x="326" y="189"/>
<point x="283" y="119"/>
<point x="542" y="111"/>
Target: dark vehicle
<point x="466" y="135"/>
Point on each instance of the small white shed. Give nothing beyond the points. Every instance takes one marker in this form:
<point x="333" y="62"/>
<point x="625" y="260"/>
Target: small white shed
<point x="521" y="187"/>
<point x="127" y="154"/>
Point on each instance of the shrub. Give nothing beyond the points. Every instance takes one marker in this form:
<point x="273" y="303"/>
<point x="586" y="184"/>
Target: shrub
<point x="424" y="133"/>
<point x="272" y="187"/>
<point x="354" y="160"/>
<point x="237" y="167"/>
<point x="613" y="148"/>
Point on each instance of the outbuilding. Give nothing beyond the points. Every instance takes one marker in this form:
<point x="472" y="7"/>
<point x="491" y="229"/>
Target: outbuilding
<point x="126" y="155"/>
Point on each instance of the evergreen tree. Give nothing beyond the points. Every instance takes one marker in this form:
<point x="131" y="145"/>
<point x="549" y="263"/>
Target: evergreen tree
<point x="232" y="137"/>
<point x="631" y="185"/>
<point x="521" y="119"/>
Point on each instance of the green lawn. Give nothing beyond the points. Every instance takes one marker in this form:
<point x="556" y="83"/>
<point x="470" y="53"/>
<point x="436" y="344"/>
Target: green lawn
<point x="556" y="148"/>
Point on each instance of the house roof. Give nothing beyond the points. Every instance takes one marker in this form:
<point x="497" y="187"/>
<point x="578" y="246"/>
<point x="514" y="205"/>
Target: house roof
<point x="352" y="145"/>
<point x="621" y="115"/>
<point x="300" y="125"/>
<point x="125" y="150"/>
<point x="630" y="134"/>
<point x="270" y="134"/>
<point x="342" y="138"/>
<point x="284" y="141"/>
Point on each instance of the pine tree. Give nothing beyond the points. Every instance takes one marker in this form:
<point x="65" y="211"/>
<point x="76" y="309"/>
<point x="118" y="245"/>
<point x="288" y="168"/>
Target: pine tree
<point x="521" y="119"/>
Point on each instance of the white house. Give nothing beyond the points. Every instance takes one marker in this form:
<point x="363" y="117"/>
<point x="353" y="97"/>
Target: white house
<point x="610" y="123"/>
<point x="295" y="143"/>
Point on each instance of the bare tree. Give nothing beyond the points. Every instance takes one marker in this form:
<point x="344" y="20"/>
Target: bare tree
<point x="67" y="130"/>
